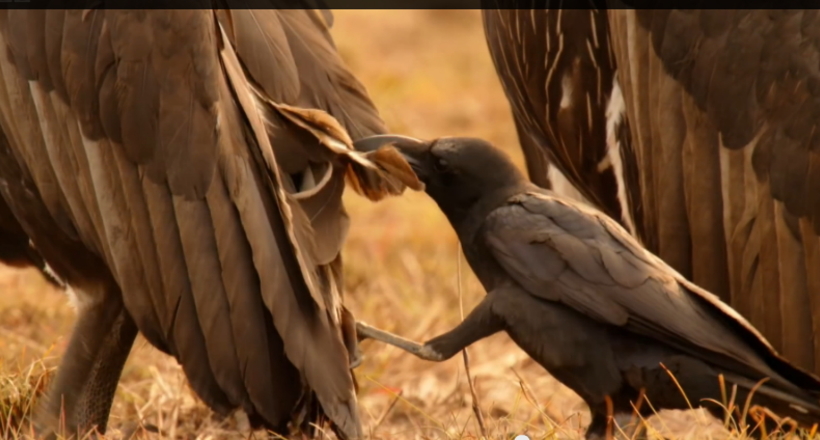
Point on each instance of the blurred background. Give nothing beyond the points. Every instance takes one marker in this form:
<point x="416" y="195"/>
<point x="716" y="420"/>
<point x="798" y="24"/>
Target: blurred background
<point x="430" y="74"/>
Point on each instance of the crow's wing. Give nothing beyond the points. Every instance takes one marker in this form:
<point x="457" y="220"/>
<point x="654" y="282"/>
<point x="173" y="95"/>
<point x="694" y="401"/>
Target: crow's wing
<point x="569" y="253"/>
<point x="164" y="142"/>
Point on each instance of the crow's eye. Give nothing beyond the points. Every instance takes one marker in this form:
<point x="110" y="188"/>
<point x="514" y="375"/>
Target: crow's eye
<point x="441" y="165"/>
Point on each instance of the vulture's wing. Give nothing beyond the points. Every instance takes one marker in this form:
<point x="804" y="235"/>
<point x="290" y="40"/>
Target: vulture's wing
<point x="165" y="142"/>
<point x="724" y="105"/>
<point x="578" y="256"/>
<point x="558" y="73"/>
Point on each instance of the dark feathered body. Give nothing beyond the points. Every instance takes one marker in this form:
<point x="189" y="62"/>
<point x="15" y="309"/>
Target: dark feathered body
<point x="604" y="316"/>
<point x="578" y="293"/>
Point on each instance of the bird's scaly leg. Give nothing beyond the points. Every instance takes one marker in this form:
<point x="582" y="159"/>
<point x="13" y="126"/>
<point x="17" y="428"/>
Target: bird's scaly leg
<point x="80" y="397"/>
<point x="366" y="331"/>
<point x="480" y="323"/>
<point x="94" y="405"/>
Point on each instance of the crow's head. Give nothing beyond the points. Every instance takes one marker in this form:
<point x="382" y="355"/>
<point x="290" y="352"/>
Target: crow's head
<point x="457" y="172"/>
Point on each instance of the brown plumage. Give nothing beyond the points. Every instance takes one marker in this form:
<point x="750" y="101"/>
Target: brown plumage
<point x="182" y="171"/>
<point x="558" y="75"/>
<point x="721" y="107"/>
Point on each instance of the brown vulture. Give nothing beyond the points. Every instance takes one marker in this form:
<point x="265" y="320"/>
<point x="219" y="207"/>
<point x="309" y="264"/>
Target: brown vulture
<point x="697" y="130"/>
<point x="182" y="172"/>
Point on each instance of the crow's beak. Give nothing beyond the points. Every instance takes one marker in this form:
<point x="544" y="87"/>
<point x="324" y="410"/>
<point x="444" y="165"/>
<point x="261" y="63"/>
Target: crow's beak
<point x="413" y="150"/>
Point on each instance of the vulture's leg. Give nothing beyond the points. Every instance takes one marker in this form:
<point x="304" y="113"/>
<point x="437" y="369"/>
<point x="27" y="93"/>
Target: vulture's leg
<point x="480" y="323"/>
<point x="98" y="395"/>
<point x="81" y="394"/>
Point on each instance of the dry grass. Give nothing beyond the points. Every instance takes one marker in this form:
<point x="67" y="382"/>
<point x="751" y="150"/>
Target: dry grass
<point x="431" y="75"/>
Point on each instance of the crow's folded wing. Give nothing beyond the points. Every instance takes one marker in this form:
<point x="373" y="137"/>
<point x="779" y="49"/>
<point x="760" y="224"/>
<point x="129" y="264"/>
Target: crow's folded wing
<point x="565" y="252"/>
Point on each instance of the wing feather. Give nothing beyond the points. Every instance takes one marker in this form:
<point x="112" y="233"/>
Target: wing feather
<point x="260" y="373"/>
<point x="528" y="239"/>
<point x="180" y="324"/>
<point x="751" y="96"/>
<point x="166" y="162"/>
<point x="558" y="74"/>
<point x="210" y="299"/>
<point x="323" y="360"/>
<point x="259" y="39"/>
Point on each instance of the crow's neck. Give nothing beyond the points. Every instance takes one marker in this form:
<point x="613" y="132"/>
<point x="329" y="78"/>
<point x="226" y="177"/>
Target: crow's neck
<point x="468" y="220"/>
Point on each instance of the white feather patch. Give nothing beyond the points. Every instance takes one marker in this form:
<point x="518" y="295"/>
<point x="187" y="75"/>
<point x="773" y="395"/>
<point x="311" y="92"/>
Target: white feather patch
<point x="562" y="186"/>
<point x="615" y="110"/>
<point x="566" y="90"/>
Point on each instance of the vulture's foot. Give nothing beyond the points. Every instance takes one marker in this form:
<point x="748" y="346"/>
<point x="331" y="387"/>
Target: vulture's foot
<point x="79" y="399"/>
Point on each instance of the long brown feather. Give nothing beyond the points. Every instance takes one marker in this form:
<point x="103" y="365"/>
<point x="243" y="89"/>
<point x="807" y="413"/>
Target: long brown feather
<point x="165" y="164"/>
<point x="330" y="378"/>
<point x="750" y="105"/>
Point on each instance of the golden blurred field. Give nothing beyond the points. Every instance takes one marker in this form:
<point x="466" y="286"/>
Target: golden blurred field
<point x="430" y="74"/>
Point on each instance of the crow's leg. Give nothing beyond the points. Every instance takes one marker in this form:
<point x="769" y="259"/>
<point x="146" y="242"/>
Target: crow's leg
<point x="80" y="396"/>
<point x="628" y="426"/>
<point x="622" y="426"/>
<point x="366" y="331"/>
<point x="480" y="323"/>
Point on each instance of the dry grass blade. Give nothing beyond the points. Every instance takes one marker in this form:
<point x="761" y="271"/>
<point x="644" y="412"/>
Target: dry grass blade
<point x="479" y="417"/>
<point x="416" y="408"/>
<point x="747" y="407"/>
<point x="544" y="412"/>
<point x="387" y="411"/>
<point x="19" y="394"/>
<point x="677" y="384"/>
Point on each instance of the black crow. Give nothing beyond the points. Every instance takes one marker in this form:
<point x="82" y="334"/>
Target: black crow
<point x="580" y="295"/>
